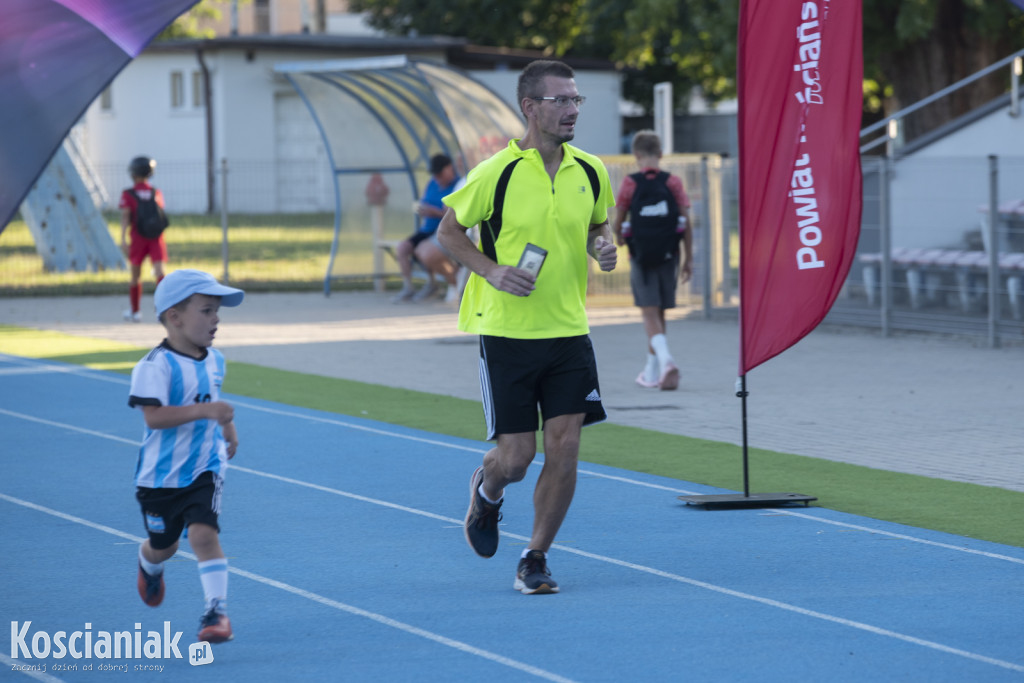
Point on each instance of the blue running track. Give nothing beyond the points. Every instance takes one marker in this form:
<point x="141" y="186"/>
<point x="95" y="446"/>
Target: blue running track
<point x="348" y="562"/>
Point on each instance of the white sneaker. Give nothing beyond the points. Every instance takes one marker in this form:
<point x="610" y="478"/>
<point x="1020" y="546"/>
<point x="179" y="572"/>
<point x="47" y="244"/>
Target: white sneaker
<point x="135" y="317"/>
<point x="646" y="383"/>
<point x="669" y="379"/>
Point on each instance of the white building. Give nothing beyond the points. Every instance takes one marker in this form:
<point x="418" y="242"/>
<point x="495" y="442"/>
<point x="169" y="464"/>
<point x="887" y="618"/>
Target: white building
<point x="158" y="106"/>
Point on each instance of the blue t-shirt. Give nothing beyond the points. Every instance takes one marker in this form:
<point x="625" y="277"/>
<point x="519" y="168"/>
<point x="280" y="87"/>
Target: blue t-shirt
<point x="432" y="197"/>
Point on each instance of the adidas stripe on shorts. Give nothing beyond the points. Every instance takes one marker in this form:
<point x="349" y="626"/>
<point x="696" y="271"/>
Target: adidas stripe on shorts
<point x="518" y="377"/>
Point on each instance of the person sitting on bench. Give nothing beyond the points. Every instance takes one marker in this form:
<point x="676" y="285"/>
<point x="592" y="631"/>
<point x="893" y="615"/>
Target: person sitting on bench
<point x="423" y="244"/>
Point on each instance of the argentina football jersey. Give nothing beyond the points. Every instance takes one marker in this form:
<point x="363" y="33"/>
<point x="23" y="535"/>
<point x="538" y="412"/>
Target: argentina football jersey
<point x="174" y="457"/>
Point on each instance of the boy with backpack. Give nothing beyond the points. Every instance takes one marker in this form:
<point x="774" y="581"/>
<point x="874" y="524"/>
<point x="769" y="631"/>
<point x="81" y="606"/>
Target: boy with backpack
<point x="142" y="210"/>
<point x="652" y="218"/>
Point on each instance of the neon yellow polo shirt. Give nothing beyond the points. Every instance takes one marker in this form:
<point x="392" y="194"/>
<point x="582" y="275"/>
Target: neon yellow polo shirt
<point x="555" y="216"/>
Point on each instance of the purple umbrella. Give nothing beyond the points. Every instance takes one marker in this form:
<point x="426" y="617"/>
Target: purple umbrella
<point x="56" y="56"/>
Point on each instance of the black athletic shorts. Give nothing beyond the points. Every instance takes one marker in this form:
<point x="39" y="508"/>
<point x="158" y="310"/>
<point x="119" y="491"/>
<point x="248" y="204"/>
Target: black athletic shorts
<point x="418" y="237"/>
<point x="165" y="512"/>
<point x="518" y="376"/>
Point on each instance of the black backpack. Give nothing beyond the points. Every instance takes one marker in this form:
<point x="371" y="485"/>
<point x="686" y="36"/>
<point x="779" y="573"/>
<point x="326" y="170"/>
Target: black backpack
<point x="150" y="219"/>
<point x="653" y="217"/>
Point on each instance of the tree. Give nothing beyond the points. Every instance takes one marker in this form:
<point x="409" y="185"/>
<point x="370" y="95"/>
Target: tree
<point x="524" y="24"/>
<point x="912" y="48"/>
<point x="654" y="40"/>
<point x="189" y="24"/>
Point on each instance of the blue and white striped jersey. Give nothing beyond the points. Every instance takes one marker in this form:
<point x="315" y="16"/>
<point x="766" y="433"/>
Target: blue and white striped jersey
<point x="174" y="458"/>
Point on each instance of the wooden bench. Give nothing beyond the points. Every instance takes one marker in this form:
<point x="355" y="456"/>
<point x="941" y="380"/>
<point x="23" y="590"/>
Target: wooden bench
<point x="924" y="269"/>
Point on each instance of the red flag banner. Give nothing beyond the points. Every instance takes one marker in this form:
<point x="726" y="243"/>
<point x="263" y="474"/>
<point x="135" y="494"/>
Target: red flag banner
<point x="800" y="75"/>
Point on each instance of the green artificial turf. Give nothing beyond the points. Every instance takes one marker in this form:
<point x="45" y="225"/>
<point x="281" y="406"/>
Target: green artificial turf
<point x="982" y="512"/>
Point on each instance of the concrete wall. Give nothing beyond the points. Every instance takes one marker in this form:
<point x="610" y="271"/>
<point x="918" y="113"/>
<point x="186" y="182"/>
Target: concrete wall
<point x="938" y="192"/>
<point x="141" y="121"/>
<point x="246" y="132"/>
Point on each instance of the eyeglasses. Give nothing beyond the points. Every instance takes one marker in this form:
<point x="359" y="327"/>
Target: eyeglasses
<point x="561" y="101"/>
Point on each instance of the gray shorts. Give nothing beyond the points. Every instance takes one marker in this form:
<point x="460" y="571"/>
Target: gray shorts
<point x="654" y="286"/>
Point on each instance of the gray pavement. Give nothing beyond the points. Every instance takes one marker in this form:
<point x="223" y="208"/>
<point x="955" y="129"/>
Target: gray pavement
<point x="937" y="406"/>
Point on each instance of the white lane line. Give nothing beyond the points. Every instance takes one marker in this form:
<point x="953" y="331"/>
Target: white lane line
<point x="537" y="462"/>
<point x="27" y="367"/>
<point x="666" y="575"/>
<point x="582" y="553"/>
<point x="932" y="645"/>
<point x="328" y="602"/>
<point x="904" y="537"/>
<point x="357" y="427"/>
<point x="387" y="621"/>
<point x="627" y="480"/>
<point x="73" y="428"/>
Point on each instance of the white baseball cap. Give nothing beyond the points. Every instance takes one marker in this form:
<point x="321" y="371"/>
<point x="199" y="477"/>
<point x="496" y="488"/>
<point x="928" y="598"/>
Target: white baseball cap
<point x="181" y="284"/>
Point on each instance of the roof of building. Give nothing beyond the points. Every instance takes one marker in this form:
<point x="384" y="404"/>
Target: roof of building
<point x="458" y="51"/>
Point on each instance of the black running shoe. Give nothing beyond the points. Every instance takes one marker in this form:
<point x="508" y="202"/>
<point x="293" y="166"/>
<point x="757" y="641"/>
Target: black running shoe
<point x="481" y="519"/>
<point x="533" y="575"/>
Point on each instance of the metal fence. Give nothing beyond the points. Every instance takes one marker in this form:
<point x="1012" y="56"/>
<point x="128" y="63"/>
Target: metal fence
<point x="929" y="259"/>
<point x="355" y="255"/>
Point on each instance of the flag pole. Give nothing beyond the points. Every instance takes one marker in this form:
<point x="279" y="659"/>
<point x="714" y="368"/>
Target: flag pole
<point x="800" y="64"/>
<point x="741" y="392"/>
<point x="747" y="499"/>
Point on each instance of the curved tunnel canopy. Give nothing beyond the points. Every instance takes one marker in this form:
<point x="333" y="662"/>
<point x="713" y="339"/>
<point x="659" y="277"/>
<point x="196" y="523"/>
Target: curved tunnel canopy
<point x="389" y="115"/>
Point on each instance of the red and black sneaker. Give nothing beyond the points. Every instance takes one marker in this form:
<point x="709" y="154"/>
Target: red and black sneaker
<point x="151" y="587"/>
<point x="214" y="626"/>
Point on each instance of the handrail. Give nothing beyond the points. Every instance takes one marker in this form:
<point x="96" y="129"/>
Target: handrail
<point x="902" y="113"/>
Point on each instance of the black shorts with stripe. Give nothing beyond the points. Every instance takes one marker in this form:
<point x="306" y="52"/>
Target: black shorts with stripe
<point x="518" y="377"/>
<point x="166" y="512"/>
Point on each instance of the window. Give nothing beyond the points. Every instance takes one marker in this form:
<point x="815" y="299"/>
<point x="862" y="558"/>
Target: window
<point x="261" y="16"/>
<point x="197" y="90"/>
<point x="177" y="90"/>
<point x="107" y="100"/>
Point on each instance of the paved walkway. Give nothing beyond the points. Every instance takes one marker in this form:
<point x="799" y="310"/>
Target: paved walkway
<point x="928" y="405"/>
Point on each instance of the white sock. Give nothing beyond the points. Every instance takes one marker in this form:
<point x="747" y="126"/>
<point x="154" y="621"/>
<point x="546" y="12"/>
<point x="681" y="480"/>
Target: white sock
<point x="214" y="576"/>
<point x="528" y="550"/>
<point x="483" y="495"/>
<point x="149" y="567"/>
<point x="651" y="369"/>
<point x="660" y="345"/>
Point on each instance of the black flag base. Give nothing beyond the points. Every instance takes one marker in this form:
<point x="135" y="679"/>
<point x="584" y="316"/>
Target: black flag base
<point x="746" y="499"/>
<point x="753" y="500"/>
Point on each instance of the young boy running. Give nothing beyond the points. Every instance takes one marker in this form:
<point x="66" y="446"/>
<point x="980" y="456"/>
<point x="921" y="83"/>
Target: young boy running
<point x="188" y="439"/>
